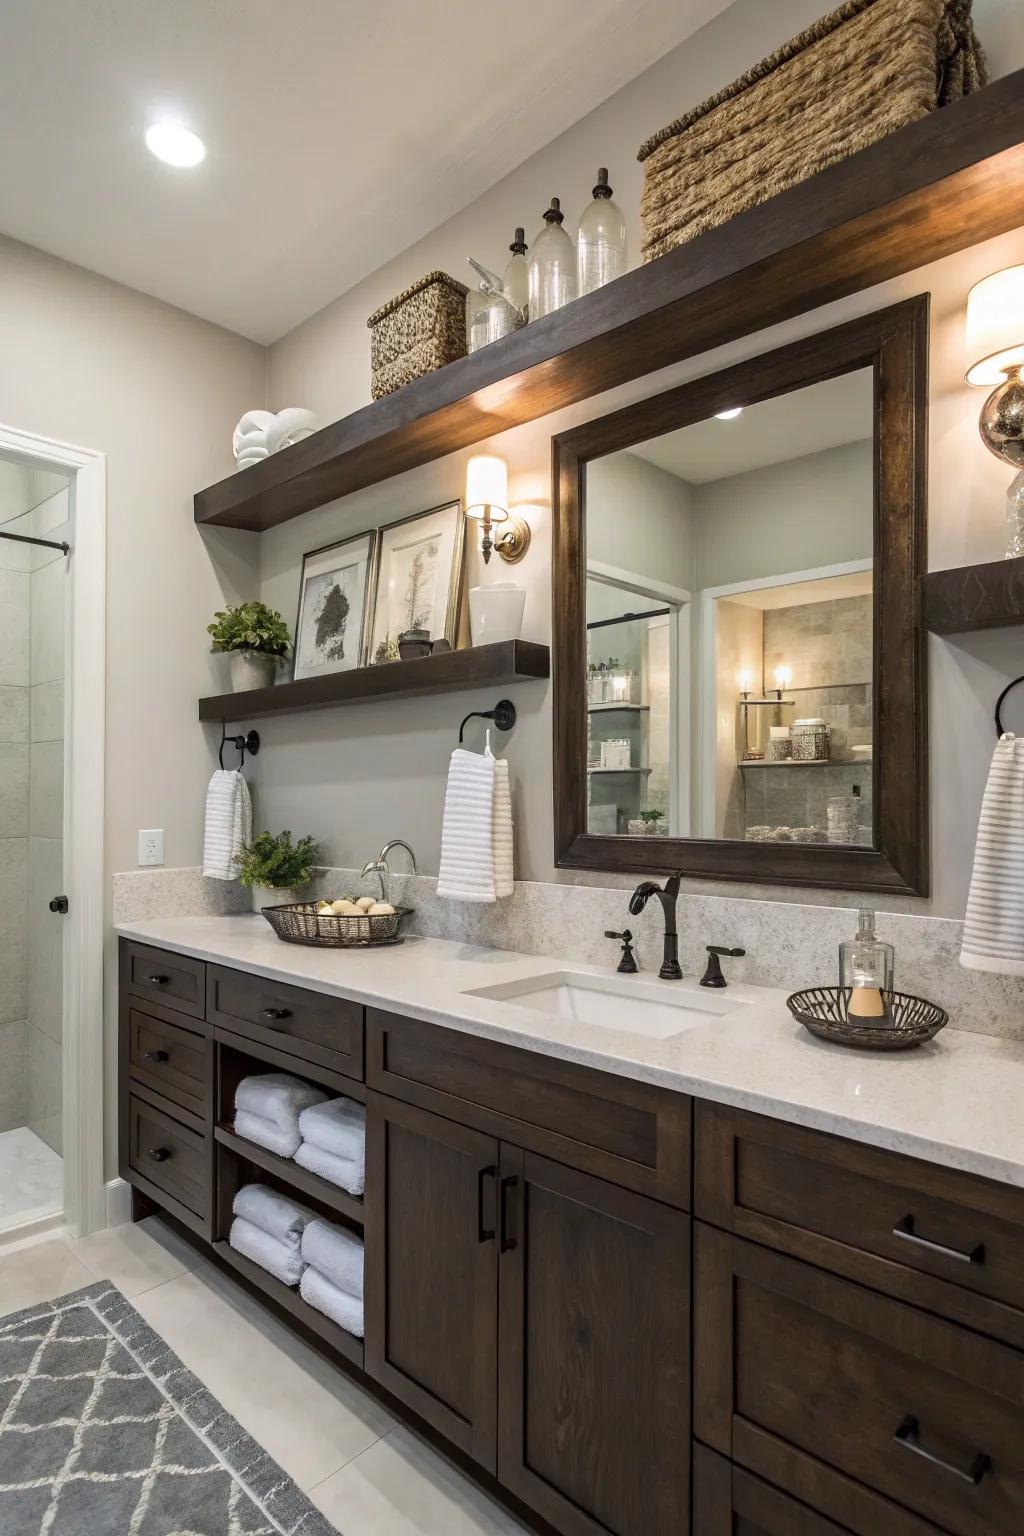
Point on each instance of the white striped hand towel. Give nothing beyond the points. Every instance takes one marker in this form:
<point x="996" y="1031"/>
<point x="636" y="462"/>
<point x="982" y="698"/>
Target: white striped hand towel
<point x="994" y="924"/>
<point x="503" y="872"/>
<point x="228" y="824"/>
<point x="467" y="832"/>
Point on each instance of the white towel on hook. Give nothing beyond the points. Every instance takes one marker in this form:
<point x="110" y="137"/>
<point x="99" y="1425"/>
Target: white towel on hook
<point x="476" y="834"/>
<point x="994" y="923"/>
<point x="228" y="824"/>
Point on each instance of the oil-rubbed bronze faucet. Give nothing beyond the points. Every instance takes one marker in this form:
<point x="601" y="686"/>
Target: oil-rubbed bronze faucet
<point x="667" y="895"/>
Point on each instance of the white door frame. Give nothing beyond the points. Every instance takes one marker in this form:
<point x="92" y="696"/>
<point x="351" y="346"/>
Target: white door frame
<point x="706" y="647"/>
<point x="84" y="739"/>
<point x="677" y="599"/>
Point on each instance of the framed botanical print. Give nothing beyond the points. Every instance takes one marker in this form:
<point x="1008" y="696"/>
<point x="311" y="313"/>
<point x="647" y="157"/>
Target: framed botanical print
<point x="419" y="578"/>
<point x="335" y="595"/>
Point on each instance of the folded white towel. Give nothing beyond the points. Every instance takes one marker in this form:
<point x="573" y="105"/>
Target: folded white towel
<point x="476" y="833"/>
<point x="266" y="1134"/>
<point x="994" y="924"/>
<point x="339" y="1126"/>
<point x="347" y="1172"/>
<point x="336" y="1253"/>
<point x="228" y="824"/>
<point x="279" y="1259"/>
<point x="277" y="1096"/>
<point x="332" y="1301"/>
<point x="277" y="1214"/>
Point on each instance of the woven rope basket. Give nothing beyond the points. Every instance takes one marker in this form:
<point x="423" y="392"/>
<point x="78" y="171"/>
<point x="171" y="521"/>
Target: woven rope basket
<point x="857" y="75"/>
<point x="417" y="331"/>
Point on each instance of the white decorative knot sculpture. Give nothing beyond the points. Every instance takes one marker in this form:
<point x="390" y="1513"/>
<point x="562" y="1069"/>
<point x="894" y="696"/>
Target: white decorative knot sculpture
<point x="261" y="433"/>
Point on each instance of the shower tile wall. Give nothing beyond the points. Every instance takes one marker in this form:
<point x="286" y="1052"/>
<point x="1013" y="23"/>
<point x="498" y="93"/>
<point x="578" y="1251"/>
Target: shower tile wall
<point x="14" y="828"/>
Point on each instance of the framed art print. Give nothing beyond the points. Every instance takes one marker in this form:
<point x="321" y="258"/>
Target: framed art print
<point x="335" y="593"/>
<point x="419" y="578"/>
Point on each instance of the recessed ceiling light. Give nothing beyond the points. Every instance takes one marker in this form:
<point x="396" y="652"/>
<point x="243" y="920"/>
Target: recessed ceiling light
<point x="175" y="144"/>
<point x="729" y="415"/>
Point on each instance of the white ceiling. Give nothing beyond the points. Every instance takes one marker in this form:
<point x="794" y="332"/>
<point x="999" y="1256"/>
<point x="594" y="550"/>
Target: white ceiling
<point x="806" y="421"/>
<point x="337" y="133"/>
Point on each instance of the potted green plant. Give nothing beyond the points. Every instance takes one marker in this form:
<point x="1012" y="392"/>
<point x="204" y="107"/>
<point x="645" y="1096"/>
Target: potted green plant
<point x="648" y="824"/>
<point x="255" y="637"/>
<point x="275" y="868"/>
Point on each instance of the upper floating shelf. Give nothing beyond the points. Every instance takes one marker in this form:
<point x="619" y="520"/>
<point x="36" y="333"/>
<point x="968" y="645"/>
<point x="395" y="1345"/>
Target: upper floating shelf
<point x="970" y="597"/>
<point x="946" y="182"/>
<point x="480" y="666"/>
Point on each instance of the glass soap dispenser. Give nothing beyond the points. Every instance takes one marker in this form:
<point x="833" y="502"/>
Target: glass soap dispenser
<point x="601" y="242"/>
<point x="552" y="266"/>
<point x="866" y="969"/>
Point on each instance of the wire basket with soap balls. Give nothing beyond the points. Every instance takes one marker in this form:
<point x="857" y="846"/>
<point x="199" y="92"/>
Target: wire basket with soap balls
<point x="344" y="923"/>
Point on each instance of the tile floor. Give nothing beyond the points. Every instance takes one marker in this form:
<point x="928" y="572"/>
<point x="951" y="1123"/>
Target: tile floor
<point x="31" y="1178"/>
<point x="370" y="1475"/>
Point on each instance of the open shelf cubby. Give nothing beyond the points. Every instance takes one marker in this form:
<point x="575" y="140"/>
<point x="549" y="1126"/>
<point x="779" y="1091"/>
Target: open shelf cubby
<point x="299" y="1179"/>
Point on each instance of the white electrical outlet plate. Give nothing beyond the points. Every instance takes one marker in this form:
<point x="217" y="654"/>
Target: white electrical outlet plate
<point x="151" y="845"/>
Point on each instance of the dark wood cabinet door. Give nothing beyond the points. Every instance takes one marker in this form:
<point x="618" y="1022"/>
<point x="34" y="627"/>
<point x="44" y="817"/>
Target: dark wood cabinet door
<point x="594" y="1352"/>
<point x="432" y="1270"/>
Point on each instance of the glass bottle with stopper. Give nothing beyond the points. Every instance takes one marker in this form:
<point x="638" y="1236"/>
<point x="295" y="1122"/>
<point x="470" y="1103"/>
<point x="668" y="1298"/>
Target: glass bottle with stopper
<point x="517" y="277"/>
<point x="601" y="242"/>
<point x="489" y="312"/>
<point x="866" y="970"/>
<point x="552" y="270"/>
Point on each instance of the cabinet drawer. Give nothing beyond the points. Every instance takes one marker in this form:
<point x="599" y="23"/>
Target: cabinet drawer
<point x="628" y="1132"/>
<point x="318" y="1028"/>
<point x="923" y="1412"/>
<point x="169" y="1155"/>
<point x="169" y="1058"/>
<point x="157" y="973"/>
<point x="786" y="1186"/>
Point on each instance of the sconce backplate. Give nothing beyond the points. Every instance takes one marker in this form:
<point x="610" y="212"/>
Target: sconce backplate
<point x="514" y="539"/>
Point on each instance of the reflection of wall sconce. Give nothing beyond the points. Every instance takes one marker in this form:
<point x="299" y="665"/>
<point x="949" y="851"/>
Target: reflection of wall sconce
<point x="995" y="337"/>
<point x="783" y="678"/>
<point x="487" y="500"/>
<point x="745" y="679"/>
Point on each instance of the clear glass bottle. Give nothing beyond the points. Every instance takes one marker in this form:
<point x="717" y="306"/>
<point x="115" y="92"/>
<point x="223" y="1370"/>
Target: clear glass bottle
<point x="552" y="267"/>
<point x="866" y="961"/>
<point x="601" y="242"/>
<point x="489" y="315"/>
<point x="517" y="277"/>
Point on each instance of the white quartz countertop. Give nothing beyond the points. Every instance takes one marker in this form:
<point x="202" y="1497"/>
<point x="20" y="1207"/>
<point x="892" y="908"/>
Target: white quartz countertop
<point x="958" y="1101"/>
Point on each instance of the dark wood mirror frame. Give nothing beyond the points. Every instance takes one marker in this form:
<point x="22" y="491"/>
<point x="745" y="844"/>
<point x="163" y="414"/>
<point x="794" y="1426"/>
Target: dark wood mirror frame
<point x="894" y="343"/>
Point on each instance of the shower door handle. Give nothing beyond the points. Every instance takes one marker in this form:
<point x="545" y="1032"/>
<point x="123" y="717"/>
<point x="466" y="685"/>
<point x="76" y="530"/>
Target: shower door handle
<point x="59" y="904"/>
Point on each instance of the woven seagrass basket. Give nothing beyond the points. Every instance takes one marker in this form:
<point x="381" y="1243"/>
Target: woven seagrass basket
<point x="417" y="331"/>
<point x="858" y="74"/>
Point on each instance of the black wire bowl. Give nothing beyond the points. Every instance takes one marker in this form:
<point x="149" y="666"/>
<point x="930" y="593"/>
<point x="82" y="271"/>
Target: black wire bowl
<point x="299" y="922"/>
<point x="908" y="1021"/>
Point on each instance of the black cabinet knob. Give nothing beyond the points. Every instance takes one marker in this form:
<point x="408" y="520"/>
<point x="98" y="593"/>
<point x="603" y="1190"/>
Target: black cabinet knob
<point x="59" y="904"/>
<point x="159" y="1154"/>
<point x="154" y="1055"/>
<point x="277" y="1013"/>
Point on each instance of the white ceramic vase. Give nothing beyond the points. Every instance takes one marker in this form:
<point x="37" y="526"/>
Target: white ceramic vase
<point x="251" y="669"/>
<point x="496" y="612"/>
<point x="269" y="896"/>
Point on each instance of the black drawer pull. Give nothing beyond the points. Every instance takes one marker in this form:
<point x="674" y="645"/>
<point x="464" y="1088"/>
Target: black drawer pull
<point x="276" y="1013"/>
<point x="904" y="1230"/>
<point x="483" y="1234"/>
<point x="159" y="1154"/>
<point x="158" y="981"/>
<point x="909" y="1435"/>
<point x="508" y="1238"/>
<point x="154" y="1056"/>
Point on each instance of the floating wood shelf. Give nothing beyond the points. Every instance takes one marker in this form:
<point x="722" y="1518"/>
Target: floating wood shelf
<point x="943" y="183"/>
<point x="807" y="762"/>
<point x="989" y="596"/>
<point x="301" y="1180"/>
<point x="480" y="666"/>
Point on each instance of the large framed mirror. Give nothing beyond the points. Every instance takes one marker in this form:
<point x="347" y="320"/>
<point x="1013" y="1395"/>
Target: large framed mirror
<point x="738" y="663"/>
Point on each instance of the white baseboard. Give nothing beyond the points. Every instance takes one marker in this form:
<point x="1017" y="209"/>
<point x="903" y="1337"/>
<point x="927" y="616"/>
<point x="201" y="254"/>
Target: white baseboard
<point x="119" y="1202"/>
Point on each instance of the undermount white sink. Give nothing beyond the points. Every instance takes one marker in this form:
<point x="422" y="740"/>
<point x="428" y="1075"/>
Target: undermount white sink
<point x="621" y="1003"/>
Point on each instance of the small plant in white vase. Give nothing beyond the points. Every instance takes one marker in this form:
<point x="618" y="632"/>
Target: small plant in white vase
<point x="275" y="869"/>
<point x="256" y="638"/>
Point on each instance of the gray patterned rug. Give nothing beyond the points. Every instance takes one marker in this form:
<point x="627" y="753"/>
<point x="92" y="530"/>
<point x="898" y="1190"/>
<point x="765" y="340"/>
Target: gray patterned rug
<point x="103" y="1432"/>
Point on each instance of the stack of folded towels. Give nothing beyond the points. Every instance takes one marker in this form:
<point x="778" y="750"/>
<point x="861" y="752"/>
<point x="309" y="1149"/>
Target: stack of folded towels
<point x="332" y="1280"/>
<point x="334" y="1143"/>
<point x="267" y="1110"/>
<point x="268" y="1229"/>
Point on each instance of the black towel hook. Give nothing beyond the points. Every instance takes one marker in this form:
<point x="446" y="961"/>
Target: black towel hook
<point x="999" y="703"/>
<point x="242" y="744"/>
<point x="503" y="714"/>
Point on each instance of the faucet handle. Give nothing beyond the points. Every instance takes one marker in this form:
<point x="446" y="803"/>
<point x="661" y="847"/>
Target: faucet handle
<point x="713" y="975"/>
<point x="627" y="964"/>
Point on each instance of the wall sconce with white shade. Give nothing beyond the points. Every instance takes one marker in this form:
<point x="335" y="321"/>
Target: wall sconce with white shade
<point x="995" y="338"/>
<point x="487" y="500"/>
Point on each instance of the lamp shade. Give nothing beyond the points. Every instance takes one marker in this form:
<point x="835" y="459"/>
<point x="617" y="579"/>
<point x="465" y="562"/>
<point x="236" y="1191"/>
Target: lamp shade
<point x="995" y="326"/>
<point x="487" y="487"/>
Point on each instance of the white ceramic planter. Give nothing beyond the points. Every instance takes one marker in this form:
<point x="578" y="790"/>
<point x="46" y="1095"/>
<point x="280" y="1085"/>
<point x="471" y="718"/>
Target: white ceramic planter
<point x="250" y="669"/>
<point x="267" y="896"/>
<point x="496" y="612"/>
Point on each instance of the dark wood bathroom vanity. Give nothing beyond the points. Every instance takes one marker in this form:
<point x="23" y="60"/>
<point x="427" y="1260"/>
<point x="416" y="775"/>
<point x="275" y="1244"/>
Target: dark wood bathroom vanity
<point x="637" y="1313"/>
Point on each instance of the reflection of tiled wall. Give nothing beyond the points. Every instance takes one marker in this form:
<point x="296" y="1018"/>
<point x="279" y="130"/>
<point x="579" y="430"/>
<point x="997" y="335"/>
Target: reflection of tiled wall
<point x="14" y="823"/>
<point x="798" y="796"/>
<point x="822" y="643"/>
